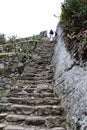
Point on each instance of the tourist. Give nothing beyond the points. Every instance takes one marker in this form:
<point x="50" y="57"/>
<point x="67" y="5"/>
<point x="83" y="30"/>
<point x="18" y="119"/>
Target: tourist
<point x="51" y="35"/>
<point x="55" y="34"/>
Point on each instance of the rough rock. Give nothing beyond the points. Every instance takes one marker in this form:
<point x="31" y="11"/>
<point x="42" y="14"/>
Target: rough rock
<point x="71" y="83"/>
<point x="29" y="101"/>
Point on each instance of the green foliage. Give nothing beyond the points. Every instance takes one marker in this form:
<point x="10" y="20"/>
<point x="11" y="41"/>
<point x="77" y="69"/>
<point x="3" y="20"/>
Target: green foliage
<point x="25" y="48"/>
<point x="74" y="16"/>
<point x="2" y="39"/>
<point x="73" y="20"/>
<point x="35" y="37"/>
<point x="12" y="38"/>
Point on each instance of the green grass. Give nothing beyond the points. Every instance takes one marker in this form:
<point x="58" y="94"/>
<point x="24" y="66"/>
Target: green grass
<point x="4" y="54"/>
<point x="11" y="44"/>
<point x="15" y="53"/>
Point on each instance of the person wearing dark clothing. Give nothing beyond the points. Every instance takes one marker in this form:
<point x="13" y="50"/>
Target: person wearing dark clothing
<point x="55" y="34"/>
<point x="51" y="35"/>
<point x="51" y="32"/>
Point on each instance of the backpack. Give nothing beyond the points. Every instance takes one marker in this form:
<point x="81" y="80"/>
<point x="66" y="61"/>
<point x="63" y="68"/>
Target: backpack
<point x="51" y="32"/>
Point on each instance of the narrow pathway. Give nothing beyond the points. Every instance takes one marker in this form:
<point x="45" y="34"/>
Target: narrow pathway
<point x="31" y="102"/>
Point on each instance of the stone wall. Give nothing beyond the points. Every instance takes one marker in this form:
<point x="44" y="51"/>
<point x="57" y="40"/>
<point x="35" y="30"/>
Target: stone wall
<point x="13" y="58"/>
<point x="41" y="35"/>
<point x="71" y="84"/>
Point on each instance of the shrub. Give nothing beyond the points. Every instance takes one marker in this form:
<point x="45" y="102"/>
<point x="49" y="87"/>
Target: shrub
<point x="12" y="38"/>
<point x="2" y="38"/>
<point x="73" y="20"/>
<point x="35" y="37"/>
<point x="73" y="16"/>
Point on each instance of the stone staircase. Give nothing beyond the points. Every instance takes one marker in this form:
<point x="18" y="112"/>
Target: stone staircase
<point x="31" y="103"/>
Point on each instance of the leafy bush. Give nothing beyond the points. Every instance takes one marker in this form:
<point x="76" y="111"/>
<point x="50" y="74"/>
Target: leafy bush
<point x="74" y="16"/>
<point x="2" y="39"/>
<point x="35" y="37"/>
<point x="12" y="38"/>
<point x="25" y="48"/>
<point x="73" y="20"/>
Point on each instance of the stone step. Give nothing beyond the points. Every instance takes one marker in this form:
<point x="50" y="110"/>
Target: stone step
<point x="35" y="95"/>
<point x="45" y="53"/>
<point x="50" y="121"/>
<point x="2" y="116"/>
<point x="31" y="90"/>
<point x="43" y="121"/>
<point x="38" y="69"/>
<point x="43" y="110"/>
<point x="4" y="107"/>
<point x="25" y="84"/>
<point x="43" y="62"/>
<point x="26" y="77"/>
<point x="34" y="101"/>
<point x="45" y="50"/>
<point x="2" y="126"/>
<point x="39" y="90"/>
<point x="34" y="73"/>
<point x="27" y="110"/>
<point x="34" y="82"/>
<point x="31" y="105"/>
<point x="19" y="127"/>
<point x="31" y="74"/>
<point x="16" y="127"/>
<point x="39" y="64"/>
<point x="23" y="89"/>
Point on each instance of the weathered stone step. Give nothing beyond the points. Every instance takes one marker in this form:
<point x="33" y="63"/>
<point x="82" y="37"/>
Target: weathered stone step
<point x="2" y="116"/>
<point x="37" y="69"/>
<point x="35" y="82"/>
<point x="22" y="89"/>
<point x="26" y="77"/>
<point x="25" y="84"/>
<point x="34" y="101"/>
<point x="43" y="110"/>
<point x="28" y="90"/>
<point x="19" y="127"/>
<point x="44" y="63"/>
<point x="16" y="127"/>
<point x="34" y="73"/>
<point x="35" y="95"/>
<point x="43" y="121"/>
<point x="41" y="90"/>
<point x="33" y="77"/>
<point x="24" y="109"/>
<point x="30" y="74"/>
<point x="32" y="69"/>
<point x="31" y="92"/>
<point x="44" y="50"/>
<point x="50" y="121"/>
<point x="4" y="107"/>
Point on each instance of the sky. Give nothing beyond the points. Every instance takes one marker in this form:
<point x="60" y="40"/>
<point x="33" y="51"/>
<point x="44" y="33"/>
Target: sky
<point x="25" y="18"/>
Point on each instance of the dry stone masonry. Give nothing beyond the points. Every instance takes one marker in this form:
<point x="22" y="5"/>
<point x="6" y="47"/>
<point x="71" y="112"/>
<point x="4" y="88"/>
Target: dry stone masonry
<point x="29" y="103"/>
<point x="71" y="83"/>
